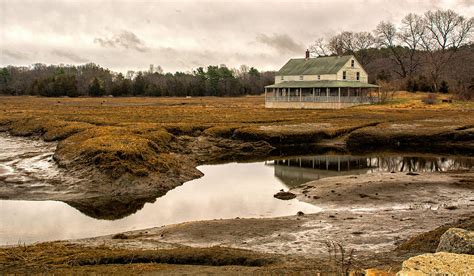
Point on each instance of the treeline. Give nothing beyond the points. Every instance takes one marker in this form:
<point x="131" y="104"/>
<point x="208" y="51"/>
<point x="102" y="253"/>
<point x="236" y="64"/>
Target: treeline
<point x="428" y="52"/>
<point x="93" y="80"/>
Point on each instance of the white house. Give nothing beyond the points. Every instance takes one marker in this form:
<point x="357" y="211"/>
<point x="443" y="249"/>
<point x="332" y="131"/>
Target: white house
<point x="322" y="82"/>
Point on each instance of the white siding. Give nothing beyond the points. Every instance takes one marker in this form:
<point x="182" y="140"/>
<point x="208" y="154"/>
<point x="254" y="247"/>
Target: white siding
<point x="305" y="78"/>
<point x="351" y="72"/>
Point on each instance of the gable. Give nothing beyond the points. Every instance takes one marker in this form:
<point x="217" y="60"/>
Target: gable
<point x="357" y="66"/>
<point x="314" y="66"/>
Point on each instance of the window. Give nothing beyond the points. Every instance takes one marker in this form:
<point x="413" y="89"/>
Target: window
<point x="319" y="77"/>
<point x="301" y="77"/>
<point x="344" y="75"/>
<point x="357" y="76"/>
<point x="352" y="63"/>
<point x="282" y="78"/>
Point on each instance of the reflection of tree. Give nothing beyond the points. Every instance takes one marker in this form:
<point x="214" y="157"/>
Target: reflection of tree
<point x="382" y="163"/>
<point x="111" y="207"/>
<point x="420" y="164"/>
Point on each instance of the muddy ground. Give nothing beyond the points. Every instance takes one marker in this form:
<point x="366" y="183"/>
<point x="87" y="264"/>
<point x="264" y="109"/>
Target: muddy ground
<point x="378" y="223"/>
<point x="373" y="219"/>
<point x="126" y="152"/>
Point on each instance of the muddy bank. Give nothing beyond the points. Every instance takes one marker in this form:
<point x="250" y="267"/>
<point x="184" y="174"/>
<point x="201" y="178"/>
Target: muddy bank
<point x="397" y="190"/>
<point x="165" y="153"/>
<point x="128" y="166"/>
<point x="373" y="225"/>
<point x="428" y="136"/>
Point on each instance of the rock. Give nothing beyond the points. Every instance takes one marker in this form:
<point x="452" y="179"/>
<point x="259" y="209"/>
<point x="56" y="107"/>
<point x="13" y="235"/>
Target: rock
<point x="440" y="263"/>
<point x="300" y="214"/>
<point x="456" y="240"/>
<point x="284" y="195"/>
<point x="413" y="173"/>
<point x="120" y="236"/>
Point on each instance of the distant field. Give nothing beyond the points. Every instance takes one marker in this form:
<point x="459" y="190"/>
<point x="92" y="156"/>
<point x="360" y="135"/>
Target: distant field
<point x="205" y="111"/>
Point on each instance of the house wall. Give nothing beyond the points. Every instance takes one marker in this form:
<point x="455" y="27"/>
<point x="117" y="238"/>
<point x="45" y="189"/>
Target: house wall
<point x="308" y="105"/>
<point x="305" y="78"/>
<point x="351" y="72"/>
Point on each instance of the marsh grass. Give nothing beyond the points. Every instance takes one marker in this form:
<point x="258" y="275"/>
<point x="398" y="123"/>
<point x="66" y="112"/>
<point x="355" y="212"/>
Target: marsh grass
<point x="54" y="255"/>
<point x="428" y="242"/>
<point x="138" y="136"/>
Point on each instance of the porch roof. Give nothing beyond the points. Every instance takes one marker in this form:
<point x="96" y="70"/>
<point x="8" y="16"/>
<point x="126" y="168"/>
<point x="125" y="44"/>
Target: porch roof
<point x="321" y="84"/>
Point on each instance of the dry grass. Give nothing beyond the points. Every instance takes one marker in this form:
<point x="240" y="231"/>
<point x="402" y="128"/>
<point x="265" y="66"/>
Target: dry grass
<point x="428" y="241"/>
<point x="53" y="256"/>
<point x="137" y="135"/>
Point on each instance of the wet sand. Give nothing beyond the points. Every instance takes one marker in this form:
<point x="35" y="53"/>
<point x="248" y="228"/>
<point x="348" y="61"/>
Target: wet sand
<point x="371" y="225"/>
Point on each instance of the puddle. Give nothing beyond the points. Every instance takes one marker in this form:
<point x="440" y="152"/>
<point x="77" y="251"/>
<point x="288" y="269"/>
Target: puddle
<point x="28" y="161"/>
<point x="225" y="191"/>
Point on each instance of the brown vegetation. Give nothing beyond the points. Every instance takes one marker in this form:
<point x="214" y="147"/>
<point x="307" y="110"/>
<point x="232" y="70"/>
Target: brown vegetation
<point x="56" y="256"/>
<point x="145" y="136"/>
<point x="428" y="242"/>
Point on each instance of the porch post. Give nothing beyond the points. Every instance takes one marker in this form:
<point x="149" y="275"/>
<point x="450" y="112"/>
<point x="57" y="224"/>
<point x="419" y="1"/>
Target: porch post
<point x="339" y="93"/>
<point x="289" y="89"/>
<point x="265" y="94"/>
<point x="327" y="94"/>
<point x="301" y="94"/>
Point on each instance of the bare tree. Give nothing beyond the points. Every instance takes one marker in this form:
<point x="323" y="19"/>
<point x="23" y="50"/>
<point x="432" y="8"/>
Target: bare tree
<point x="345" y="43"/>
<point x="319" y="48"/>
<point x="336" y="44"/>
<point x="387" y="36"/>
<point x="444" y="33"/>
<point x="362" y="42"/>
<point x="410" y="35"/>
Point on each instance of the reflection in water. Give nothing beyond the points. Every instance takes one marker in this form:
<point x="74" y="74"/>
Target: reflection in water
<point x="112" y="207"/>
<point x="296" y="171"/>
<point x="226" y="191"/>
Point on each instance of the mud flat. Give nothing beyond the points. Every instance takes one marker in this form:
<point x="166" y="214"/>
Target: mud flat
<point x="373" y="220"/>
<point x="125" y="151"/>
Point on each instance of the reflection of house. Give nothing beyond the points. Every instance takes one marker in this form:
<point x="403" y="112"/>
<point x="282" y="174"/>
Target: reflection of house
<point x="322" y="82"/>
<point x="296" y="171"/>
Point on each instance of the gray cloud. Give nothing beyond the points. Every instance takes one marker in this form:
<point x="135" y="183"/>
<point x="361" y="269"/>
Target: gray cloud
<point x="181" y="35"/>
<point x="69" y="55"/>
<point x="467" y="3"/>
<point x="283" y="43"/>
<point x="124" y="39"/>
<point x="15" y="54"/>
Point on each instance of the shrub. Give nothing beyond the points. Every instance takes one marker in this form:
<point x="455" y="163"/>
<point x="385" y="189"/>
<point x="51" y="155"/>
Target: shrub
<point x="387" y="91"/>
<point x="444" y="88"/>
<point x="430" y="99"/>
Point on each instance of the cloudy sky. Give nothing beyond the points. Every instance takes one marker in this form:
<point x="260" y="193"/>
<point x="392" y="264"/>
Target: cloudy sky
<point x="182" y="35"/>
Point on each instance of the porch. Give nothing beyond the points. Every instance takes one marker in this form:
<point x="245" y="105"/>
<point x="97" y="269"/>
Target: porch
<point x="319" y="94"/>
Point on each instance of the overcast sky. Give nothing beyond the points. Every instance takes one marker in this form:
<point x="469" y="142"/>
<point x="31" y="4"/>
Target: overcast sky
<point x="182" y="35"/>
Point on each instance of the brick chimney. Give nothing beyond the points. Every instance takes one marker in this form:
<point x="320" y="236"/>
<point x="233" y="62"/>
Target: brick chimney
<point x="307" y="54"/>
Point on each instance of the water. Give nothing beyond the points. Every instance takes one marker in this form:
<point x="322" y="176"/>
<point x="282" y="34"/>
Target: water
<point x="29" y="163"/>
<point x="225" y="191"/>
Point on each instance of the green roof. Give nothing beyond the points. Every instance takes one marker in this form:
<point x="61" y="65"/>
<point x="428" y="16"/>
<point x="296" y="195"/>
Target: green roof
<point x="322" y="84"/>
<point x="313" y="66"/>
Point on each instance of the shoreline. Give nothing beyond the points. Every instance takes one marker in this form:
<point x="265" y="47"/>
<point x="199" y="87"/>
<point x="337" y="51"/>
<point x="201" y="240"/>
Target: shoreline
<point x="118" y="160"/>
